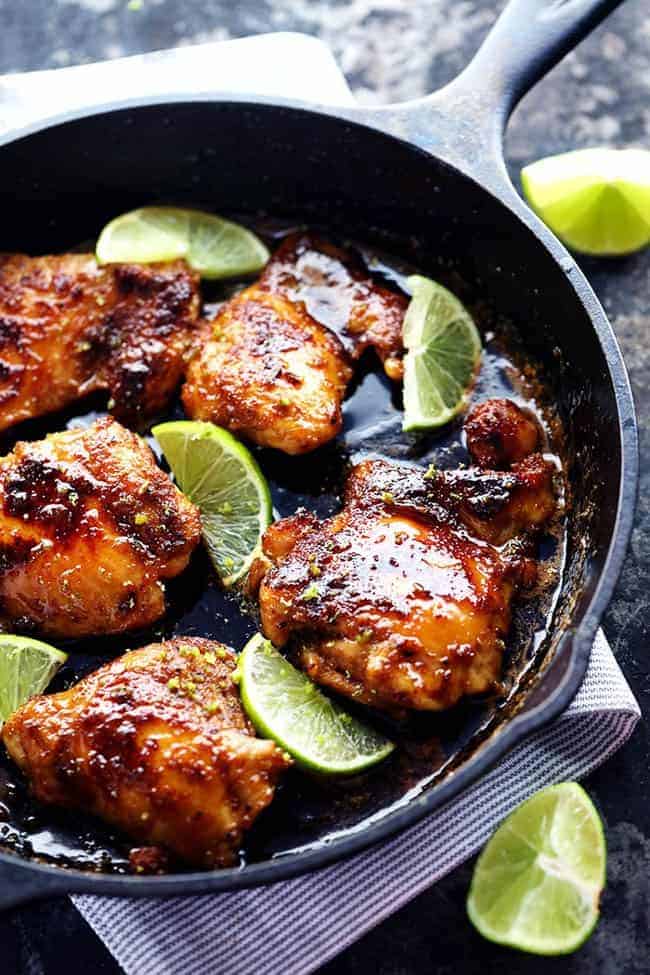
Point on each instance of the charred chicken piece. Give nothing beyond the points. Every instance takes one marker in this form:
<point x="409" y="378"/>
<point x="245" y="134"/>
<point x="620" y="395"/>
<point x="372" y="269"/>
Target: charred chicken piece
<point x="334" y="287"/>
<point x="90" y="528"/>
<point x="69" y="328"/>
<point x="499" y="433"/>
<point x="157" y="744"/>
<point x="403" y="600"/>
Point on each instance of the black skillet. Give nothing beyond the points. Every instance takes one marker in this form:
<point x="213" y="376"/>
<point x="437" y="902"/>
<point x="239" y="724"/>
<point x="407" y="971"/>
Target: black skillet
<point x="427" y="181"/>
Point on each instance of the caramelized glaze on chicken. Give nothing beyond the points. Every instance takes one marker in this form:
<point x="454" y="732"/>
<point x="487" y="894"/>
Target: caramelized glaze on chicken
<point x="157" y="744"/>
<point x="499" y="433"/>
<point x="335" y="288"/>
<point x="403" y="599"/>
<point x="271" y="373"/>
<point x="69" y="328"/>
<point x="90" y="528"/>
<point x="278" y="363"/>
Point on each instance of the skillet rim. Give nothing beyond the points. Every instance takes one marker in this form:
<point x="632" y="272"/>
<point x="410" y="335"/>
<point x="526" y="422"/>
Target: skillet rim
<point x="63" y="879"/>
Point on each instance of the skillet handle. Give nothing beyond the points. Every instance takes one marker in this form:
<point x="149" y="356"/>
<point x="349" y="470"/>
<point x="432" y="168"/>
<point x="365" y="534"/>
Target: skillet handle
<point x="20" y="884"/>
<point x="527" y="40"/>
<point x="464" y="122"/>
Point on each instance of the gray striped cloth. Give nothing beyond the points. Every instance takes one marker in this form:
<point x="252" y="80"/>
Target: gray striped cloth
<point x="295" y="927"/>
<point x="298" y="925"/>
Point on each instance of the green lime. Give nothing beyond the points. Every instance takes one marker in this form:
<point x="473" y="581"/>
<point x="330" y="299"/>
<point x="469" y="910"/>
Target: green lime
<point x="537" y="883"/>
<point x="224" y="481"/>
<point x="596" y="200"/>
<point x="214" y="247"/>
<point x="26" y="668"/>
<point x="286" y="706"/>
<point x="443" y="353"/>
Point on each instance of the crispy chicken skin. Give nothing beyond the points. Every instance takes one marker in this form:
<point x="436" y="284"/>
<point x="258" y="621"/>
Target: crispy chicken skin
<point x="69" y="328"/>
<point x="499" y="433"/>
<point x="89" y="529"/>
<point x="271" y="373"/>
<point x="335" y="288"/>
<point x="157" y="744"/>
<point x="403" y="600"/>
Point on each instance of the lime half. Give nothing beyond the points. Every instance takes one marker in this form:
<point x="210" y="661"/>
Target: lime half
<point x="214" y="247"/>
<point x="596" y="200"/>
<point x="223" y="480"/>
<point x="286" y="706"/>
<point x="26" y="668"/>
<point x="443" y="353"/>
<point x="537" y="883"/>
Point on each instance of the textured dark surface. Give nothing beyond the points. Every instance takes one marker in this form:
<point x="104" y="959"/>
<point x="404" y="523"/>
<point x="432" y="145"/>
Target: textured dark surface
<point x="396" y="49"/>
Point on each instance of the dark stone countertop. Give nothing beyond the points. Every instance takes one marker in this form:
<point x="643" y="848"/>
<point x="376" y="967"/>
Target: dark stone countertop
<point x="390" y="50"/>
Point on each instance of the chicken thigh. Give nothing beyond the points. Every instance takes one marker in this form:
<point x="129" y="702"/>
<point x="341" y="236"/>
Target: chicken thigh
<point x="403" y="600"/>
<point x="90" y="527"/>
<point x="157" y="744"/>
<point x="277" y="366"/>
<point x="69" y="328"/>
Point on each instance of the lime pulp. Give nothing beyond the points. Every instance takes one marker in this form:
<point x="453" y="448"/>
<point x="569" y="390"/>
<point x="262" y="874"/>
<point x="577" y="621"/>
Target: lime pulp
<point x="286" y="706"/>
<point x="537" y="883"/>
<point x="596" y="200"/>
<point x="224" y="481"/>
<point x="26" y="668"/>
<point x="215" y="247"/>
<point x="443" y="353"/>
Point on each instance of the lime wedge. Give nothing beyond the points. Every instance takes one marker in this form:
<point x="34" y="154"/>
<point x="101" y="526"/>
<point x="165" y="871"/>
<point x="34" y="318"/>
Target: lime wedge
<point x="537" y="883"/>
<point x="286" y="706"/>
<point x="443" y="353"/>
<point x="214" y="247"/>
<point x="224" y="481"/>
<point x="596" y="200"/>
<point x="26" y="668"/>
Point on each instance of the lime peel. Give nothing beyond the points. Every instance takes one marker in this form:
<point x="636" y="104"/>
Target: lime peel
<point x="285" y="705"/>
<point x="225" y="482"/>
<point x="26" y="668"/>
<point x="443" y="352"/>
<point x="537" y="884"/>
<point x="215" y="247"/>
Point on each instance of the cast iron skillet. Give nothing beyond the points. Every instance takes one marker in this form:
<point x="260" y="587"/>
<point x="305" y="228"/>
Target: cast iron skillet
<point x="428" y="178"/>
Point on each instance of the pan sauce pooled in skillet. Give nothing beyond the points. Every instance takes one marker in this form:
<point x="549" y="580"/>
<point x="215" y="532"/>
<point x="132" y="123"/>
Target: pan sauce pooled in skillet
<point x="156" y="743"/>
<point x="90" y="527"/>
<point x="403" y="599"/>
<point x="277" y="366"/>
<point x="69" y="328"/>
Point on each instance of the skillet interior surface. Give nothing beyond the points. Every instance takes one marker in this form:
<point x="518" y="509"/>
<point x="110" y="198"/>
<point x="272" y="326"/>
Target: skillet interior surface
<point x="280" y="167"/>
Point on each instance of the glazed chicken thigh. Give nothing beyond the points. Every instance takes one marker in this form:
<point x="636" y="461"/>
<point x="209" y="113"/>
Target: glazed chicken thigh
<point x="278" y="363"/>
<point x="69" y="328"/>
<point x="90" y="528"/>
<point x="157" y="744"/>
<point x="403" y="600"/>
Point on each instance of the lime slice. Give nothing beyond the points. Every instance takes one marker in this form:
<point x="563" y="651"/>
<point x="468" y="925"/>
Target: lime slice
<point x="443" y="353"/>
<point x="26" y="668"/>
<point x="286" y="706"/>
<point x="223" y="480"/>
<point x="214" y="247"/>
<point x="596" y="200"/>
<point x="537" y="883"/>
